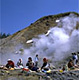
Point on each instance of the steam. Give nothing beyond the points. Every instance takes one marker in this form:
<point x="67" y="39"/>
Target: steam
<point x="58" y="43"/>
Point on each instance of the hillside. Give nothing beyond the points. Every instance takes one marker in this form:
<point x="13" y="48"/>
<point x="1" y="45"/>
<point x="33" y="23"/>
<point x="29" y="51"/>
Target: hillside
<point x="41" y="26"/>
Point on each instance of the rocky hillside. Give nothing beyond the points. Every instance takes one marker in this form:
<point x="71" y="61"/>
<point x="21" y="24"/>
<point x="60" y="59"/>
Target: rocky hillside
<point x="41" y="26"/>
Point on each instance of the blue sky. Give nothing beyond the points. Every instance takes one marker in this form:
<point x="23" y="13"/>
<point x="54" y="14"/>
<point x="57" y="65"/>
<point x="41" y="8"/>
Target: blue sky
<point x="18" y="14"/>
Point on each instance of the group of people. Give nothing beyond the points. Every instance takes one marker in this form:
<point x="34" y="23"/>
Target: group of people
<point x="32" y="65"/>
<point x="73" y="62"/>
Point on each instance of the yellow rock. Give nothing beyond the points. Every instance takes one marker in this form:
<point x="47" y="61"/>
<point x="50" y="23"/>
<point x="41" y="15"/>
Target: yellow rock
<point x="61" y="71"/>
<point x="49" y="71"/>
<point x="7" y="71"/>
<point x="11" y="68"/>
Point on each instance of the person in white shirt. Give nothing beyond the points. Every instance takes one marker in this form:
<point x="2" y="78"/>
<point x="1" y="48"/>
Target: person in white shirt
<point x="36" y="60"/>
<point x="20" y="63"/>
<point x="76" y="59"/>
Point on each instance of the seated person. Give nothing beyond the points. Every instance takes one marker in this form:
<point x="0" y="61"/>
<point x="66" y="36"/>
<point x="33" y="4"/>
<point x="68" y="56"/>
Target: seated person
<point x="10" y="64"/>
<point x="19" y="63"/>
<point x="71" y="64"/>
<point x="45" y="65"/>
<point x="30" y="65"/>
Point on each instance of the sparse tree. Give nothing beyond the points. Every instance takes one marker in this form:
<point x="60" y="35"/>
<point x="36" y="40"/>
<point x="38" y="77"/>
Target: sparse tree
<point x="4" y="35"/>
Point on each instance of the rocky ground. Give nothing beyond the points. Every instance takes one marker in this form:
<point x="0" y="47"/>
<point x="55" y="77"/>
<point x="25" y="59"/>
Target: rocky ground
<point x="70" y="75"/>
<point x="54" y="75"/>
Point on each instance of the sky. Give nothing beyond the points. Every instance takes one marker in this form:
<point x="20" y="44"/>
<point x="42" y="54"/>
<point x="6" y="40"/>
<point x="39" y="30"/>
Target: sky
<point x="16" y="15"/>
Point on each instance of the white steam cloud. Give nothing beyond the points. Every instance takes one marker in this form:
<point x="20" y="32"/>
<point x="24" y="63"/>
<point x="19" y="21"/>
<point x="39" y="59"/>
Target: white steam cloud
<point x="58" y="43"/>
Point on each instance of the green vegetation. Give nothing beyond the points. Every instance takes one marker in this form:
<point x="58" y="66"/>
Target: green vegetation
<point x="58" y="15"/>
<point x="4" y="35"/>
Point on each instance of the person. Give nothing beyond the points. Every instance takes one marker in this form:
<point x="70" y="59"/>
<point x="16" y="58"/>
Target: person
<point x="45" y="66"/>
<point x="10" y="64"/>
<point x="20" y="63"/>
<point x="65" y="67"/>
<point x="78" y="53"/>
<point x="73" y="56"/>
<point x="30" y="65"/>
<point x="75" y="59"/>
<point x="78" y="56"/>
<point x="36" y="60"/>
<point x="71" y="64"/>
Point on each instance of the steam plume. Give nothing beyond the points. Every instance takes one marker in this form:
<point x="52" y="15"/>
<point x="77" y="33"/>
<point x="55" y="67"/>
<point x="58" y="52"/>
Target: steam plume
<point x="59" y="42"/>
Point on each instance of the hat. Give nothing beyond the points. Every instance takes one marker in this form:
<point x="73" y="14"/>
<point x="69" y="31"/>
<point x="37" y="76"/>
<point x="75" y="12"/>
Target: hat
<point x="9" y="59"/>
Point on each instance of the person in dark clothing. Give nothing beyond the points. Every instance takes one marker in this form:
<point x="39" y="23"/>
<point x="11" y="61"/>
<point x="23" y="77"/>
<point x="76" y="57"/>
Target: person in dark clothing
<point x="45" y="65"/>
<point x="71" y="64"/>
<point x="73" y="56"/>
<point x="63" y="68"/>
<point x="30" y="65"/>
<point x="10" y="64"/>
